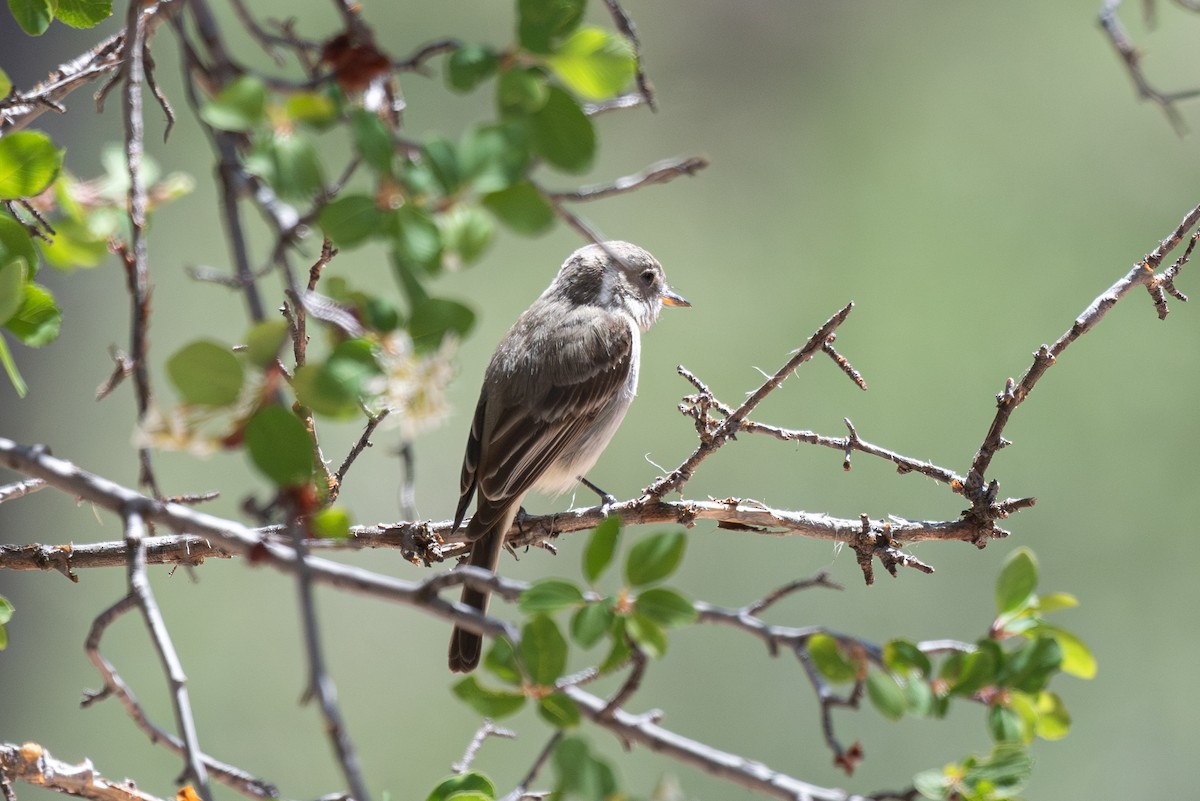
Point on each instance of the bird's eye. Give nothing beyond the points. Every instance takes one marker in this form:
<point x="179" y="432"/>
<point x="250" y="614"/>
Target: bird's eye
<point x="648" y="277"/>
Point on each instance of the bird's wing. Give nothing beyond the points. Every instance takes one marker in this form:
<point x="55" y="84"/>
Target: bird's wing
<point x="470" y="464"/>
<point x="550" y="405"/>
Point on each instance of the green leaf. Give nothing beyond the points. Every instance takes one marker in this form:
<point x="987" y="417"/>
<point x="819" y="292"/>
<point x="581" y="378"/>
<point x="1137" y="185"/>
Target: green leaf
<point x="321" y="391"/>
<point x="315" y="109"/>
<point x="581" y="774"/>
<point x="469" y="66"/>
<point x="978" y="670"/>
<point x="33" y="16"/>
<point x="6" y="84"/>
<point x="264" y="341"/>
<point x="543" y="651"/>
<point x="918" y="695"/>
<point x="654" y="558"/>
<point x="351" y="220"/>
<point x="601" y="547"/>
<point x="29" y="163"/>
<point x="240" y="106"/>
<point x="1077" y="658"/>
<point x="620" y="651"/>
<point x="38" y="321"/>
<point x="665" y="607"/>
<point x="549" y="595"/>
<point x="206" y="373"/>
<point x="559" y="711"/>
<point x="442" y="157"/>
<point x="1022" y="705"/>
<point x="521" y="91"/>
<point x="16" y="243"/>
<point x="332" y="523"/>
<point x="3" y="637"/>
<point x="373" y="140"/>
<point x="562" y="134"/>
<point x="886" y="695"/>
<point x="590" y="623"/>
<point x="6" y="610"/>
<point x="522" y="208"/>
<point x="648" y="635"/>
<point x="1029" y="668"/>
<point x="542" y="23"/>
<point x="289" y="163"/>
<point x="1053" y="721"/>
<point x="463" y="783"/>
<point x="1056" y="601"/>
<point x="416" y="235"/>
<point x="78" y="244"/>
<point x="487" y="701"/>
<point x="10" y="368"/>
<point x="279" y="446"/>
<point x="12" y="287"/>
<point x="594" y="63"/>
<point x="494" y="157"/>
<point x="1016" y="582"/>
<point x="83" y="13"/>
<point x="903" y="658"/>
<point x="1004" y="725"/>
<point x="827" y="657"/>
<point x="434" y="318"/>
<point x="501" y="660"/>
<point x="466" y="230"/>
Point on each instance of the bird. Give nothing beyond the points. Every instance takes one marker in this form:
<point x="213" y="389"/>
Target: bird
<point x="554" y="393"/>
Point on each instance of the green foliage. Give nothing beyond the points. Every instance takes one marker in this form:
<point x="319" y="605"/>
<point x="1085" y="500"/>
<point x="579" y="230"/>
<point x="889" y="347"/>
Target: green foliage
<point x="332" y="523"/>
<point x="595" y="63"/>
<point x="467" y="786"/>
<point x="279" y="446"/>
<point x="1000" y="775"/>
<point x="206" y="373"/>
<point x="240" y="106"/>
<point x="827" y="657"/>
<point x="601" y="547"/>
<point x="6" y="613"/>
<point x="29" y="163"/>
<point x="654" y="558"/>
<point x="35" y="16"/>
<point x="581" y="774"/>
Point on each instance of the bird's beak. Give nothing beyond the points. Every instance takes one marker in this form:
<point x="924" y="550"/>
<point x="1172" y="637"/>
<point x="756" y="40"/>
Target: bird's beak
<point x="669" y="298"/>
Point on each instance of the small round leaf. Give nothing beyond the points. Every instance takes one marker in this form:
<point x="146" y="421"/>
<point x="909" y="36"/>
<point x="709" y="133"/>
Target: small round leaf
<point x="206" y="373"/>
<point x="550" y="595"/>
<point x="601" y="546"/>
<point x="654" y="558"/>
<point x="543" y="650"/>
<point x="279" y="446"/>
<point x="29" y="162"/>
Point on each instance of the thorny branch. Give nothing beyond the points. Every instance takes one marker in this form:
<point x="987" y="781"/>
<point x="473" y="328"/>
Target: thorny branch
<point x="34" y="765"/>
<point x="1132" y="59"/>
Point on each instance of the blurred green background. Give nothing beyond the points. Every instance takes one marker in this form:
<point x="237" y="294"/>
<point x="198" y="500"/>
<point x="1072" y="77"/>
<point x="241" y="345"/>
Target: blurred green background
<point x="972" y="175"/>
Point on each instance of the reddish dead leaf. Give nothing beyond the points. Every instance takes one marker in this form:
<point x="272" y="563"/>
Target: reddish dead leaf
<point x="355" y="64"/>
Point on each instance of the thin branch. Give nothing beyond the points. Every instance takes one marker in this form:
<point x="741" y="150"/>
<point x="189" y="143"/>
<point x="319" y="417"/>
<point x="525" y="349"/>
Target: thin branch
<point x="135" y="254"/>
<point x="522" y="789"/>
<point x="682" y="474"/>
<point x="1015" y="393"/>
<point x="488" y="729"/>
<point x="320" y="683"/>
<point x="1132" y="59"/>
<point x="233" y="777"/>
<point x="658" y="173"/>
<point x="19" y="489"/>
<point x="748" y="773"/>
<point x="34" y="765"/>
<point x="139" y="590"/>
<point x="625" y="25"/>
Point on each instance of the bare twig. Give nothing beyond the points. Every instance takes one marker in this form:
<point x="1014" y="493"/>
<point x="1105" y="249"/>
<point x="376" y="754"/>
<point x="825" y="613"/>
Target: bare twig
<point x="522" y="789"/>
<point x="739" y="770"/>
<point x="1132" y="59"/>
<point x="488" y="729"/>
<point x="320" y="683"/>
<point x="114" y="685"/>
<point x="34" y="765"/>
<point x="139" y="590"/>
<point x="678" y="477"/>
<point x="19" y="489"/>
<point x="658" y="173"/>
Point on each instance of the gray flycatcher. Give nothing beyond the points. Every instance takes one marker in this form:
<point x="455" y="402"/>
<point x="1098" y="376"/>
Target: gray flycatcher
<point x="553" y="395"/>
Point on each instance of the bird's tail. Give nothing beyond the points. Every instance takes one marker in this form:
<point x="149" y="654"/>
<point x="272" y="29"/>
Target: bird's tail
<point x="466" y="646"/>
